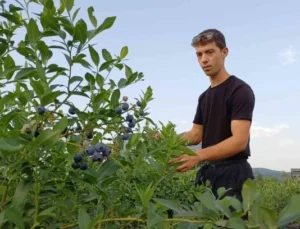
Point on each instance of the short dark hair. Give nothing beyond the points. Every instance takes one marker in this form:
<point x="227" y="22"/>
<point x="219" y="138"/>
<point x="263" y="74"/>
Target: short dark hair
<point x="208" y="36"/>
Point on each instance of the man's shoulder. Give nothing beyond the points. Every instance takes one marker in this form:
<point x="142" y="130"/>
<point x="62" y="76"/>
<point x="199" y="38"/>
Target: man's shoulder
<point x="240" y="86"/>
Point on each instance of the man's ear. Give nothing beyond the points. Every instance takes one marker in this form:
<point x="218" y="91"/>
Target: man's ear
<point x="225" y="52"/>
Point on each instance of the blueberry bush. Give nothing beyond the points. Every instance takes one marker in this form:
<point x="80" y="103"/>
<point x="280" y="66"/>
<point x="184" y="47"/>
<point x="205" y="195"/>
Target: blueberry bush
<point x="77" y="152"/>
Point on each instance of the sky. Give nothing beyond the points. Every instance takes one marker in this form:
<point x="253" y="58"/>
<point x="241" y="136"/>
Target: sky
<point x="263" y="40"/>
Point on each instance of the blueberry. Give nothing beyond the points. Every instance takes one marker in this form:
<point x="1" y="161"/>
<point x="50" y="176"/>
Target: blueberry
<point x="129" y="118"/>
<point x="75" y="165"/>
<point x="125" y="98"/>
<point x="100" y="147"/>
<point x="41" y="110"/>
<point x="128" y="130"/>
<point x="125" y="106"/>
<point x="97" y="157"/>
<point x="131" y="124"/>
<point x="78" y="158"/>
<point x="138" y="103"/>
<point x="119" y="110"/>
<point x="125" y="136"/>
<point x="107" y="151"/>
<point x="142" y="113"/>
<point x="89" y="150"/>
<point x="71" y="110"/>
<point x="84" y="166"/>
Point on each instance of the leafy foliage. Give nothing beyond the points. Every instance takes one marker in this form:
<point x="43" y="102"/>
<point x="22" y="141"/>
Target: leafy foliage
<point x="64" y="165"/>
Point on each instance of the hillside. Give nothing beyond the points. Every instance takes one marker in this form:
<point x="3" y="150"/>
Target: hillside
<point x="280" y="175"/>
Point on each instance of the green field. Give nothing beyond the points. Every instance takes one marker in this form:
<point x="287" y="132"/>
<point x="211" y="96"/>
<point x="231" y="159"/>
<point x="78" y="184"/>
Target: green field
<point x="96" y="163"/>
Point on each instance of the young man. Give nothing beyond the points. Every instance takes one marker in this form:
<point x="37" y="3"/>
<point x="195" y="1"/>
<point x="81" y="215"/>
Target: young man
<point x="222" y="121"/>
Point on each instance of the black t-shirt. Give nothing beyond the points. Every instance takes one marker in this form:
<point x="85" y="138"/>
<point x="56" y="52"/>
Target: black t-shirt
<point x="233" y="99"/>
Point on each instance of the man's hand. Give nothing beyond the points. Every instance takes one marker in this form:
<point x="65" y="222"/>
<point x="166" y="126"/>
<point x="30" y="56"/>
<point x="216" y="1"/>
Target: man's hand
<point x="189" y="162"/>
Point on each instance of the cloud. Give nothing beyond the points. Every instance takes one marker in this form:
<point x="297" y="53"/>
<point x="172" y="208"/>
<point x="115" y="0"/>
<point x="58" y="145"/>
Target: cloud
<point x="260" y="131"/>
<point x="288" y="56"/>
<point x="284" y="142"/>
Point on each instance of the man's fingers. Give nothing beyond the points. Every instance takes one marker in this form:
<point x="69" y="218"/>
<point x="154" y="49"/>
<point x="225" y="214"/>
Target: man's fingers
<point x="174" y="160"/>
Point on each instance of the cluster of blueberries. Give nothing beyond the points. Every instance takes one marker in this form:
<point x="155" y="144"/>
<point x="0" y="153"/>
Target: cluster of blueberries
<point x="98" y="152"/>
<point x="129" y="118"/>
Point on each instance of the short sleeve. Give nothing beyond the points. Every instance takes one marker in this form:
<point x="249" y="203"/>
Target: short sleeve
<point x="198" y="118"/>
<point x="242" y="103"/>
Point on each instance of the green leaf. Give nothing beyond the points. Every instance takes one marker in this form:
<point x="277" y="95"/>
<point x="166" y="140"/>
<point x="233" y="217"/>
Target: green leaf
<point x="9" y="66"/>
<point x="152" y="217"/>
<point x="106" y="55"/>
<point x="37" y="87"/>
<point x="80" y="31"/>
<point x="90" y="78"/>
<point x="46" y="138"/>
<point x="94" y="55"/>
<point x="75" y="79"/>
<point x="115" y="97"/>
<point x="21" y="193"/>
<point x="3" y="48"/>
<point x="24" y="73"/>
<point x="235" y="223"/>
<point x="106" y="24"/>
<point x="11" y="18"/>
<point x="61" y="125"/>
<point x="270" y="217"/>
<point x="291" y="212"/>
<point x="33" y="31"/>
<point x="133" y="140"/>
<point x="75" y="14"/>
<point x="122" y="82"/>
<point x="124" y="52"/>
<point x="169" y="204"/>
<point x="50" y="97"/>
<point x="209" y="201"/>
<point x="83" y="218"/>
<point x="4" y="145"/>
<point x="69" y="4"/>
<point x="249" y="194"/>
<point x="107" y="169"/>
<point x="93" y="19"/>
<point x="15" y="217"/>
<point x="100" y="80"/>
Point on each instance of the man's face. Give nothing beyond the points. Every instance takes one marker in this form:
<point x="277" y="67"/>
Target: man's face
<point x="211" y="58"/>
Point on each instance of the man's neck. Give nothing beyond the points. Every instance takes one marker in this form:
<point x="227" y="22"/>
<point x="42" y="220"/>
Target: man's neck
<point x="219" y="78"/>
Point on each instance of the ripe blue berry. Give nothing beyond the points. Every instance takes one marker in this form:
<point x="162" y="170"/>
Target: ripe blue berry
<point x="125" y="106"/>
<point x="97" y="156"/>
<point x="119" y="110"/>
<point x="75" y="165"/>
<point x="107" y="151"/>
<point x="138" y="103"/>
<point x="128" y="130"/>
<point x="100" y="147"/>
<point x="78" y="158"/>
<point x="129" y="118"/>
<point x="71" y="110"/>
<point x="89" y="150"/>
<point x="41" y="110"/>
<point x="125" y="136"/>
<point x="131" y="124"/>
<point x="84" y="166"/>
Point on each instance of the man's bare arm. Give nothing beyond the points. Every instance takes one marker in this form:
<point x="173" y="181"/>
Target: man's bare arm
<point x="236" y="143"/>
<point x="194" y="136"/>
